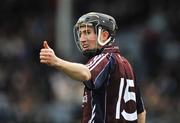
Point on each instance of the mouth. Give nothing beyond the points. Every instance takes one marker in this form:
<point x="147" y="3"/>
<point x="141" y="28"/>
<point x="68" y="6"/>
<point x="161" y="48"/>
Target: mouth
<point x="85" y="46"/>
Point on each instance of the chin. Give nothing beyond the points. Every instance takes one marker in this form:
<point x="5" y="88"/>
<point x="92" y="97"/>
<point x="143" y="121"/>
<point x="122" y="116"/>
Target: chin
<point x="85" y="49"/>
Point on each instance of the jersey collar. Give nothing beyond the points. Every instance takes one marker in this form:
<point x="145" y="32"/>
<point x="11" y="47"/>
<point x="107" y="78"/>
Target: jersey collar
<point x="111" y="49"/>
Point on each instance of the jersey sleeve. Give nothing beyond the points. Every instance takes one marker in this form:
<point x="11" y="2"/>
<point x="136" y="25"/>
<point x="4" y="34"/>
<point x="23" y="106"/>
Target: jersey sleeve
<point x="100" y="67"/>
<point x="140" y="103"/>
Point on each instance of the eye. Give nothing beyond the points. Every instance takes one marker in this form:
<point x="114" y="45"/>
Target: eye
<point x="79" y="34"/>
<point x="88" y="32"/>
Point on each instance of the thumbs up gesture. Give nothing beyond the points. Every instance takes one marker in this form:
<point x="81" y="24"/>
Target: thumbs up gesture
<point x="47" y="55"/>
<point x="45" y="45"/>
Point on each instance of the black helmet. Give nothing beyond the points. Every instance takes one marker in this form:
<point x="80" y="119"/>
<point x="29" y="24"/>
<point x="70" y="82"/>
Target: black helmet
<point x="99" y="21"/>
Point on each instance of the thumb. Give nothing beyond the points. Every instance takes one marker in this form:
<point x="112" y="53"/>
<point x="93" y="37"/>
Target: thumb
<point x="45" y="45"/>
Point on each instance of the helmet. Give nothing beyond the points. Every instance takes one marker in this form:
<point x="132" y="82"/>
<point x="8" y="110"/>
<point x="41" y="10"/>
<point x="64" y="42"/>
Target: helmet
<point x="100" y="22"/>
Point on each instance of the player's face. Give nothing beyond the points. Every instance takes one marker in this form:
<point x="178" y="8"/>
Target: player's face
<point x="88" y="38"/>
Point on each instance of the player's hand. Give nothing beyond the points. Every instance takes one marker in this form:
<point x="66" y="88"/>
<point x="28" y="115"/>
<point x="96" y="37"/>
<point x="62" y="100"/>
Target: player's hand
<point x="47" y="55"/>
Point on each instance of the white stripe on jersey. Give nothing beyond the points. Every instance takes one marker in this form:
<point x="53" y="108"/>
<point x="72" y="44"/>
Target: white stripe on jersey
<point x="120" y="57"/>
<point x="96" y="61"/>
<point x="100" y="72"/>
<point x="93" y="115"/>
<point x="96" y="58"/>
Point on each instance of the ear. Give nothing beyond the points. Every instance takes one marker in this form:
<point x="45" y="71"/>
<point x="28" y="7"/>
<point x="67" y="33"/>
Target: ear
<point x="105" y="35"/>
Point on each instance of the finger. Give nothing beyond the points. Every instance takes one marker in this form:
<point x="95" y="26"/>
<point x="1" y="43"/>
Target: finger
<point x="45" y="44"/>
<point x="43" y="57"/>
<point x="44" y="61"/>
<point x="46" y="50"/>
<point x="45" y="53"/>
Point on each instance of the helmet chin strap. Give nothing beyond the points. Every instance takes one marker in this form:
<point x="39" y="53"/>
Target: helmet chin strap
<point x="99" y="38"/>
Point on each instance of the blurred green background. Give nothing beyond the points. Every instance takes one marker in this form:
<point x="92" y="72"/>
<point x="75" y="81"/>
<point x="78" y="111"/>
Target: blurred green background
<point x="30" y="92"/>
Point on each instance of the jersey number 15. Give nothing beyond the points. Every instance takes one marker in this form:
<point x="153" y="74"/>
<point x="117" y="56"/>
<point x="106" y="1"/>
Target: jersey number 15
<point x="127" y="97"/>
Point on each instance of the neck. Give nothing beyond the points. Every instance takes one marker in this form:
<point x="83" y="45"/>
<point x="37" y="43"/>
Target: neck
<point x="92" y="52"/>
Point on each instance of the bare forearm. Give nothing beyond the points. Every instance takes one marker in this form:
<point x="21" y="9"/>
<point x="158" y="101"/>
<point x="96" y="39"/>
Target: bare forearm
<point x="142" y="117"/>
<point x="76" y="71"/>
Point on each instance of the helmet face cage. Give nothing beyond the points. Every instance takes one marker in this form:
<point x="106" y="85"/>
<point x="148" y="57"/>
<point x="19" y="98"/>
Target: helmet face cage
<point x="99" y="22"/>
<point x="93" y="24"/>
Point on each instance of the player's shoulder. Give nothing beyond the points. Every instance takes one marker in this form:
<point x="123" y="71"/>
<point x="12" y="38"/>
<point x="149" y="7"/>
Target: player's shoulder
<point x="98" y="59"/>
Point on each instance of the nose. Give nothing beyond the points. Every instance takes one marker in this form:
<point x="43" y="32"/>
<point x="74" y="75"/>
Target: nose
<point x="83" y="38"/>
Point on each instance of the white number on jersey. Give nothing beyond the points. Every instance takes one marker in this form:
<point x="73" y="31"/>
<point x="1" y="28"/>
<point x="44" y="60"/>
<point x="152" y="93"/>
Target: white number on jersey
<point x="127" y="97"/>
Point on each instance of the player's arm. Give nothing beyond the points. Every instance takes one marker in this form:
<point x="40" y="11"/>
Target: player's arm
<point x="142" y="117"/>
<point x="140" y="106"/>
<point x="76" y="71"/>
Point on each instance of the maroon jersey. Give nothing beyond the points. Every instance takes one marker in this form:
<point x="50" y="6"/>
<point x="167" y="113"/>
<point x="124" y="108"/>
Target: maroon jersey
<point x="111" y="95"/>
